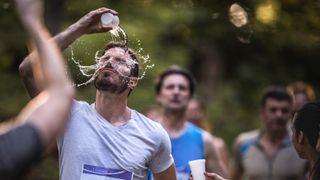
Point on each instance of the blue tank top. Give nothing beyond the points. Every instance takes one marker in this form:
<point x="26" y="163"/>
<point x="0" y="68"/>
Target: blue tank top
<point x="189" y="146"/>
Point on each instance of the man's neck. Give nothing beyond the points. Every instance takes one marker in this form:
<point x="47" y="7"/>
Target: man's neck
<point x="113" y="107"/>
<point x="173" y="121"/>
<point x="275" y="138"/>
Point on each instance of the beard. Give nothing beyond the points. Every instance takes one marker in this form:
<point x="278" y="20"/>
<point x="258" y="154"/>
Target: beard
<point x="105" y="84"/>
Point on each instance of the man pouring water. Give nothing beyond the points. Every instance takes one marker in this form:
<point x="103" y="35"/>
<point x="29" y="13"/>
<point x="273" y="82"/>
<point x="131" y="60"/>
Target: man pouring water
<point x="107" y="139"/>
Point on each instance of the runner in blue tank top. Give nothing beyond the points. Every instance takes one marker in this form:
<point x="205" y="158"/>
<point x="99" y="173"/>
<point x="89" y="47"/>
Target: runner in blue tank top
<point x="174" y="89"/>
<point x="192" y="140"/>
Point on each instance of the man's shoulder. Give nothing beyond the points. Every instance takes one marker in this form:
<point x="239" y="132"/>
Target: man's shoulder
<point x="145" y="122"/>
<point x="78" y="105"/>
<point x="247" y="138"/>
<point x="194" y="128"/>
<point x="151" y="128"/>
<point x="245" y="141"/>
<point x="142" y="117"/>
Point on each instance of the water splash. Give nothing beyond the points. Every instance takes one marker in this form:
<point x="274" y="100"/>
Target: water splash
<point x="144" y="61"/>
<point x="88" y="71"/>
<point x="117" y="35"/>
<point x="238" y="16"/>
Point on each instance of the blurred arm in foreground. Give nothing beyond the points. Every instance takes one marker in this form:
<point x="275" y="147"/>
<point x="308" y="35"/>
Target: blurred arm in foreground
<point x="88" y="24"/>
<point x="24" y="139"/>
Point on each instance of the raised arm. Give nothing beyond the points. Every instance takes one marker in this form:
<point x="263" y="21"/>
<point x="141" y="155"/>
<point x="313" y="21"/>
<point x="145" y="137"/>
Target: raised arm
<point x="48" y="112"/>
<point x="214" y="161"/>
<point x="90" y="23"/>
<point x="46" y="115"/>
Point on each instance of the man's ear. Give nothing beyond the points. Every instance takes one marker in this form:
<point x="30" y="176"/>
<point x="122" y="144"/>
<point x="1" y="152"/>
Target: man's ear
<point x="300" y="137"/>
<point x="133" y="83"/>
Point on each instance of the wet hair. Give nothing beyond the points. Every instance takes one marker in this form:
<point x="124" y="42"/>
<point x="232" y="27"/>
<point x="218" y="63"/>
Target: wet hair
<point x="135" y="71"/>
<point x="175" y="70"/>
<point x="307" y="120"/>
<point x="278" y="93"/>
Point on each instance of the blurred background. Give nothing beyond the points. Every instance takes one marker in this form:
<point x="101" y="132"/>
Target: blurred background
<point x="233" y="55"/>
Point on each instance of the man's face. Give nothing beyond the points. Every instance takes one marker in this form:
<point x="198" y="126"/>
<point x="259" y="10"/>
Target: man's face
<point x="114" y="71"/>
<point x="175" y="92"/>
<point x="275" y="114"/>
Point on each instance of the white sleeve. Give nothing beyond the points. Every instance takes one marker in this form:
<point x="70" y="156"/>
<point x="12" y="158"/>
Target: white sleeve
<point x="162" y="159"/>
<point x="76" y="106"/>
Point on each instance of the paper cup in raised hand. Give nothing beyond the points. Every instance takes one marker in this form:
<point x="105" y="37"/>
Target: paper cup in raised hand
<point x="198" y="168"/>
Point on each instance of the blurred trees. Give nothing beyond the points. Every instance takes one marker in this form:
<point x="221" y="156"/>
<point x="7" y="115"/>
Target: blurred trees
<point x="279" y="45"/>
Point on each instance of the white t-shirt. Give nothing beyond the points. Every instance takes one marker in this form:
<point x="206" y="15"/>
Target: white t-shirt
<point x="93" y="149"/>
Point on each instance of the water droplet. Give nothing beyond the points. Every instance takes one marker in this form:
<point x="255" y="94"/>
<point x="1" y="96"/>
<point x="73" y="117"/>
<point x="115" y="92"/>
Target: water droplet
<point x="238" y="16"/>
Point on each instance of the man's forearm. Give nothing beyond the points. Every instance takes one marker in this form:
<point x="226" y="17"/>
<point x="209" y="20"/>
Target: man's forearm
<point x="68" y="36"/>
<point x="90" y="23"/>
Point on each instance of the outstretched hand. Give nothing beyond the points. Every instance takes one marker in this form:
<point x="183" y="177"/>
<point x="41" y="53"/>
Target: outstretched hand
<point x="90" y="23"/>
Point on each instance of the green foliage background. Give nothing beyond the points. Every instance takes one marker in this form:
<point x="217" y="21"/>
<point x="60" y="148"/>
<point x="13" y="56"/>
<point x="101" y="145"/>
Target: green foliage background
<point x="175" y="32"/>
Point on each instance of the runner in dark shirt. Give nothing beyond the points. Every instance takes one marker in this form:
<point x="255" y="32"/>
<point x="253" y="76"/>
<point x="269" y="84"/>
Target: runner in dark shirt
<point x="19" y="149"/>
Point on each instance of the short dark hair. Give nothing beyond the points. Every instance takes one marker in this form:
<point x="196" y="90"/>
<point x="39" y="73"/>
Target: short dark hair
<point x="175" y="70"/>
<point x="307" y="120"/>
<point x="275" y="92"/>
<point x="135" y="71"/>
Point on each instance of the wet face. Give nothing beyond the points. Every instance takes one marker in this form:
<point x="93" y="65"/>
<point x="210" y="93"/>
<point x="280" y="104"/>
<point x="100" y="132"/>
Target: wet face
<point x="275" y="114"/>
<point x="114" y="71"/>
<point x="175" y="92"/>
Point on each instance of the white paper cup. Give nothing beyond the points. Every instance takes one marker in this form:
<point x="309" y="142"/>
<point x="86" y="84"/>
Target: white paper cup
<point x="106" y="19"/>
<point x="115" y="22"/>
<point x="110" y="20"/>
<point x="198" y="167"/>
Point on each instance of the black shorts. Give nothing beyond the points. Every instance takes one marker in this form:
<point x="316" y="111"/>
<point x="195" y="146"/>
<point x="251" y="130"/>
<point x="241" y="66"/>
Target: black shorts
<point x="19" y="149"/>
